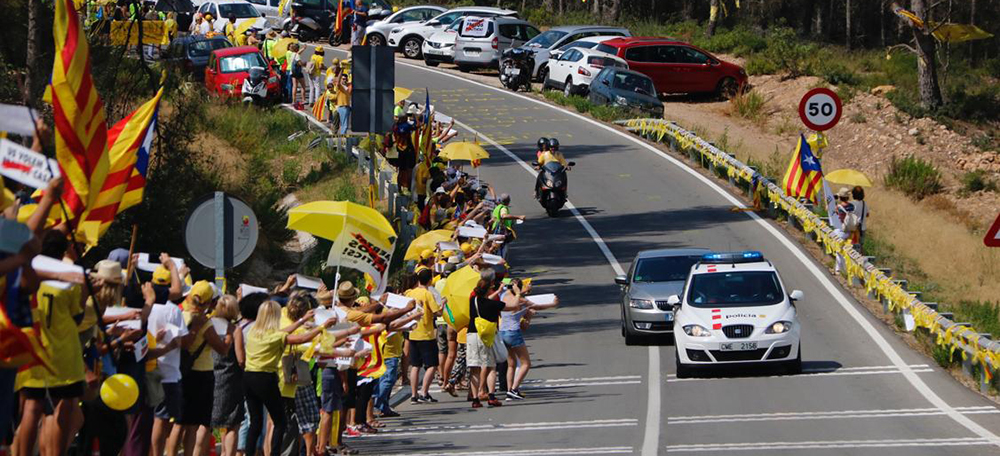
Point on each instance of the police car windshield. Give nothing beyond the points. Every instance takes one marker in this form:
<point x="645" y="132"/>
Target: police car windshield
<point x="734" y="289"/>
<point x="664" y="269"/>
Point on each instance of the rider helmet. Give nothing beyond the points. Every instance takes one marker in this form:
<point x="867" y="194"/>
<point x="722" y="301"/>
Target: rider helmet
<point x="553" y="144"/>
<point x="543" y="143"/>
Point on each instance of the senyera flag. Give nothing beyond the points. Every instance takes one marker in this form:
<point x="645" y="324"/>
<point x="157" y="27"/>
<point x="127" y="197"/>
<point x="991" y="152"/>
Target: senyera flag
<point x="804" y="176"/>
<point x="374" y="365"/>
<point x="81" y="126"/>
<point x="129" y="144"/>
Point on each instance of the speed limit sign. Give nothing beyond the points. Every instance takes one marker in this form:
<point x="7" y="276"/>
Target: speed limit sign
<point x="820" y="109"/>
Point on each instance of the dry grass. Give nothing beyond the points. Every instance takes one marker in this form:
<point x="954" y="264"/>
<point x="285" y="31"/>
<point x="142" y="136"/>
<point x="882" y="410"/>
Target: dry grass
<point x="221" y="159"/>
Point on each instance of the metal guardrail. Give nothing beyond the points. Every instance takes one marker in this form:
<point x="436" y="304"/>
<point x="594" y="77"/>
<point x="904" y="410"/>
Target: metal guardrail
<point x="980" y="354"/>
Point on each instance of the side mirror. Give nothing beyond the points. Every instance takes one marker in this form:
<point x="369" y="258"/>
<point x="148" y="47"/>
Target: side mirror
<point x="433" y="23"/>
<point x="621" y="280"/>
<point x="795" y="295"/>
<point x="674" y="300"/>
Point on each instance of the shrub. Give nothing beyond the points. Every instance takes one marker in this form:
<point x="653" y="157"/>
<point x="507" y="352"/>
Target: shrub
<point x="838" y="74"/>
<point x="984" y="315"/>
<point x="749" y="105"/>
<point x="913" y="176"/>
<point x="976" y="181"/>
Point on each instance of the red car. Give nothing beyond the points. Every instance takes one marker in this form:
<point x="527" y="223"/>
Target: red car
<point x="677" y="67"/>
<point x="229" y="67"/>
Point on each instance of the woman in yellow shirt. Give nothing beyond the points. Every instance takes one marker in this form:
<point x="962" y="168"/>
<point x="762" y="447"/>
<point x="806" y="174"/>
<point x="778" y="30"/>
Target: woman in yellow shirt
<point x="265" y="344"/>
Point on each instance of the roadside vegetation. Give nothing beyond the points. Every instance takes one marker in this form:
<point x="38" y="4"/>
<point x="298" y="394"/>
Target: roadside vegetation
<point x="582" y="105"/>
<point x="915" y="177"/>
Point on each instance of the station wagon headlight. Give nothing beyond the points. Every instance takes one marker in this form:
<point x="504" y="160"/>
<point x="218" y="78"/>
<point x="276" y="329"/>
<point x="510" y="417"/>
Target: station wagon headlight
<point x="640" y="303"/>
<point x="621" y="100"/>
<point x="697" y="331"/>
<point x="779" y="327"/>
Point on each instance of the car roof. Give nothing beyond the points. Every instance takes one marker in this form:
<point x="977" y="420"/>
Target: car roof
<point x="433" y="7"/>
<point x="488" y="9"/>
<point x="708" y="267"/>
<point x="575" y="28"/>
<point x="187" y="39"/>
<point x="626" y="70"/>
<point x="627" y="40"/>
<point x="656" y="253"/>
<point x="226" y="52"/>
<point x="228" y="1"/>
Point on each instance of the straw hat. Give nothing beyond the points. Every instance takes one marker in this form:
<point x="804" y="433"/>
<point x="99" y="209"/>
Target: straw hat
<point x="347" y="291"/>
<point x="110" y="271"/>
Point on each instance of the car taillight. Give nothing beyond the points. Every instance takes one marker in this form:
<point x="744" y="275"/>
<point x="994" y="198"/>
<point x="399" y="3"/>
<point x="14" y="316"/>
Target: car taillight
<point x="495" y="43"/>
<point x="583" y="71"/>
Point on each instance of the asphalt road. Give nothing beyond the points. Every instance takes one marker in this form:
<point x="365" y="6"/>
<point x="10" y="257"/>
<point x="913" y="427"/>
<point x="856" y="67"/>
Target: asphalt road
<point x="863" y="391"/>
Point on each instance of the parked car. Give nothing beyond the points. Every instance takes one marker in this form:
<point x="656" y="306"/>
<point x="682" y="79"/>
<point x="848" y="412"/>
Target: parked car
<point x="324" y="13"/>
<point x="191" y="53"/>
<point x="268" y="8"/>
<point x="655" y="275"/>
<point x="183" y="9"/>
<point x="626" y="89"/>
<point x="222" y="9"/>
<point x="227" y="68"/>
<point x="409" y="38"/>
<point x="440" y="46"/>
<point x="677" y="67"/>
<point x="481" y="40"/>
<point x="378" y="31"/>
<point x="589" y="42"/>
<point x="574" y="70"/>
<point x="555" y="37"/>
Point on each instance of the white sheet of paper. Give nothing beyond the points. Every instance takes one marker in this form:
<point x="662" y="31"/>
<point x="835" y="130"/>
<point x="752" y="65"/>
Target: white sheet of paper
<point x="18" y="119"/>
<point x="49" y="264"/>
<point x="396" y="301"/>
<point x="541" y="299"/>
<point x="471" y="232"/>
<point x="118" y="311"/>
<point x="909" y="321"/>
<point x="492" y="259"/>
<point x="140" y="348"/>
<point x="445" y="246"/>
<point x="250" y="289"/>
<point x="310" y="283"/>
<point x="220" y="325"/>
<point x="144" y="263"/>
<point x="130" y="324"/>
<point x="321" y="315"/>
<point x="172" y="331"/>
<point x="497" y="237"/>
<point x="441" y="118"/>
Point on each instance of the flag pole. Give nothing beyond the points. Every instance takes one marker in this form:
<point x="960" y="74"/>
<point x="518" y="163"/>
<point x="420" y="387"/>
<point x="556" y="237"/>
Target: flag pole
<point x="131" y="251"/>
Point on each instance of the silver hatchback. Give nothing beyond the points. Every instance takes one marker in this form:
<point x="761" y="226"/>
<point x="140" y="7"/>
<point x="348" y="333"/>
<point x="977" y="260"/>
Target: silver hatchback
<point x="481" y="40"/>
<point x="655" y="275"/>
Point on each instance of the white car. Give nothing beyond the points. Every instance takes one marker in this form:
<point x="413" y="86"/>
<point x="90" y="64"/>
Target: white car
<point x="440" y="47"/>
<point x="222" y="9"/>
<point x="268" y="7"/>
<point x="409" y="38"/>
<point x="735" y="311"/>
<point x="574" y="69"/>
<point x="378" y="31"/>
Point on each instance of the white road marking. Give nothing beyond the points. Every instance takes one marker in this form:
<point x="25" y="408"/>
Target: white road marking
<point x="542" y="386"/>
<point x="673" y="378"/>
<point x="535" y="452"/>
<point x="828" y="444"/>
<point x="652" y="422"/>
<point x="514" y="427"/>
<point x="712" y="419"/>
<point x="820" y="370"/>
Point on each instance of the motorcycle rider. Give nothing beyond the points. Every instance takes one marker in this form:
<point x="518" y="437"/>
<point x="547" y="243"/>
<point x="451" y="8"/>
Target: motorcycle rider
<point x="547" y="153"/>
<point x="543" y="145"/>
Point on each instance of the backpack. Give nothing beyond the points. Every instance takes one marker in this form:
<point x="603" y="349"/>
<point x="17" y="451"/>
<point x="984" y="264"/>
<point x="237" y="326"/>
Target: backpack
<point x="851" y="222"/>
<point x="187" y="358"/>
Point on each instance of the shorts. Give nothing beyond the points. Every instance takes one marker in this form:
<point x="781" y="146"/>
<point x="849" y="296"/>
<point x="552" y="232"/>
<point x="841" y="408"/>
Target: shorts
<point x="197" y="392"/>
<point x="173" y="402"/>
<point x="512" y="339"/>
<point x="423" y="353"/>
<point x="442" y="338"/>
<point x="306" y="409"/>
<point x="477" y="354"/>
<point x="73" y="390"/>
<point x="333" y="390"/>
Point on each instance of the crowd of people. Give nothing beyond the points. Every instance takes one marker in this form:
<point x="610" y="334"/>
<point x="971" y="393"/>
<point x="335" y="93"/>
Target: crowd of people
<point x="851" y="212"/>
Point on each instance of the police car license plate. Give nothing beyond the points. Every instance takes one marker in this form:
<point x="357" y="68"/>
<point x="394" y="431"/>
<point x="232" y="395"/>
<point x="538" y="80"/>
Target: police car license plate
<point x="738" y="346"/>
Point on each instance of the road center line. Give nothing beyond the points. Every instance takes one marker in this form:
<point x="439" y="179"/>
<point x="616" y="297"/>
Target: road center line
<point x="852" y="414"/>
<point x="489" y="428"/>
<point x="828" y="444"/>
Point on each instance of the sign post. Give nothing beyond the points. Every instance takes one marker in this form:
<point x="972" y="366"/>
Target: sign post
<point x="221" y="233"/>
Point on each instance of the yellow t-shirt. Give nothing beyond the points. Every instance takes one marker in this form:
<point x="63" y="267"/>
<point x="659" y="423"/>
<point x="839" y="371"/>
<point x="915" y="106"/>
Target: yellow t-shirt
<point x="317" y="61"/>
<point x="357" y="316"/>
<point x="424" y="330"/>
<point x="422" y="174"/>
<point x="59" y="336"/>
<point x="344" y="97"/>
<point x="264" y="351"/>
<point x="204" y="362"/>
<point x="393" y="346"/>
<point x="548" y="156"/>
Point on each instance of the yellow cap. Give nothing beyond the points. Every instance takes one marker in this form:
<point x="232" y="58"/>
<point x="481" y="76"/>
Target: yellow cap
<point x="161" y="276"/>
<point x="202" y="290"/>
<point x="427" y="253"/>
<point x="447" y="254"/>
<point x="466" y="248"/>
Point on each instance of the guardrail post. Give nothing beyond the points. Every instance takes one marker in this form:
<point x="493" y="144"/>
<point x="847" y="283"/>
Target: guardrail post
<point x="391" y="200"/>
<point x="932" y="305"/>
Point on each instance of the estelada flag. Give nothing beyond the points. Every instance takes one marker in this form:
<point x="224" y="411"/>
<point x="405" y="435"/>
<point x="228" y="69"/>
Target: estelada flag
<point x="804" y="177"/>
<point x="81" y="126"/>
<point x="129" y="144"/>
<point x="364" y="249"/>
<point x="374" y="365"/>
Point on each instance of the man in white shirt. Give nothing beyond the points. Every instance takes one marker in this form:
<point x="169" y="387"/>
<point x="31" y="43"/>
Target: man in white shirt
<point x="168" y="318"/>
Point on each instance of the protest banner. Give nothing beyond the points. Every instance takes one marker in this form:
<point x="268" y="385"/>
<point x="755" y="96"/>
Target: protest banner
<point x="25" y="165"/>
<point x="365" y="249"/>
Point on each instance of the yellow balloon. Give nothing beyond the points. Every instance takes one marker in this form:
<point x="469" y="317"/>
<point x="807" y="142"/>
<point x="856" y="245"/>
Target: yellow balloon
<point x="119" y="392"/>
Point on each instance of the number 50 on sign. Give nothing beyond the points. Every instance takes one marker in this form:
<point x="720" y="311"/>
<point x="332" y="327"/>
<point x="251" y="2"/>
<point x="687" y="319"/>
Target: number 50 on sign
<point x="820" y="109"/>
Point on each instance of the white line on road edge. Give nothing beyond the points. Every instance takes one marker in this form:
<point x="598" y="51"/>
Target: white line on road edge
<point x="817" y="445"/>
<point x="911" y="377"/>
<point x="536" y="452"/>
<point x="930" y="411"/>
<point x="516" y="427"/>
<point x="821" y="370"/>
<point x="818" y="374"/>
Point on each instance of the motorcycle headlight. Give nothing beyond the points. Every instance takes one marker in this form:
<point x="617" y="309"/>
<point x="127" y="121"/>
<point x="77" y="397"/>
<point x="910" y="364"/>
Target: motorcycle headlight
<point x="550" y="183"/>
<point x="779" y="327"/>
<point x="640" y="303"/>
<point x="697" y="331"/>
<point x="621" y="100"/>
<point x="226" y="86"/>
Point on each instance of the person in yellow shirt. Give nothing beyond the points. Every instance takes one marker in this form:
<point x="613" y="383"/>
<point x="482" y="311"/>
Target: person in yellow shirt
<point x="344" y="102"/>
<point x="265" y="345"/>
<point x="421" y="174"/>
<point x="423" y="339"/>
<point x="198" y="383"/>
<point x="230" y="28"/>
<point x="169" y="28"/>
<point x="316" y="70"/>
<point x="552" y="154"/>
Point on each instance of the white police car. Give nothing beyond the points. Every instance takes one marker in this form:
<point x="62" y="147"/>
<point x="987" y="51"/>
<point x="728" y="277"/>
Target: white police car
<point x="735" y="310"/>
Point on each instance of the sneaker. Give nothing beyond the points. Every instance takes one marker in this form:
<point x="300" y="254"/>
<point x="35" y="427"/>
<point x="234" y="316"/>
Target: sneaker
<point x="352" y="431"/>
<point x="427" y="398"/>
<point x="390" y="414"/>
<point x="367" y="429"/>
<point x="494" y="403"/>
<point x="414" y="400"/>
<point x="514" y="395"/>
<point x="476" y="403"/>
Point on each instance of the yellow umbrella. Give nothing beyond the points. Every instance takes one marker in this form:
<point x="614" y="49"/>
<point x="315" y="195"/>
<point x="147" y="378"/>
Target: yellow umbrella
<point x="327" y="219"/>
<point x="464" y="151"/>
<point x="427" y="241"/>
<point x="281" y="47"/>
<point x="848" y="177"/>
<point x="457" y="290"/>
<point x="244" y="26"/>
<point x="400" y="94"/>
